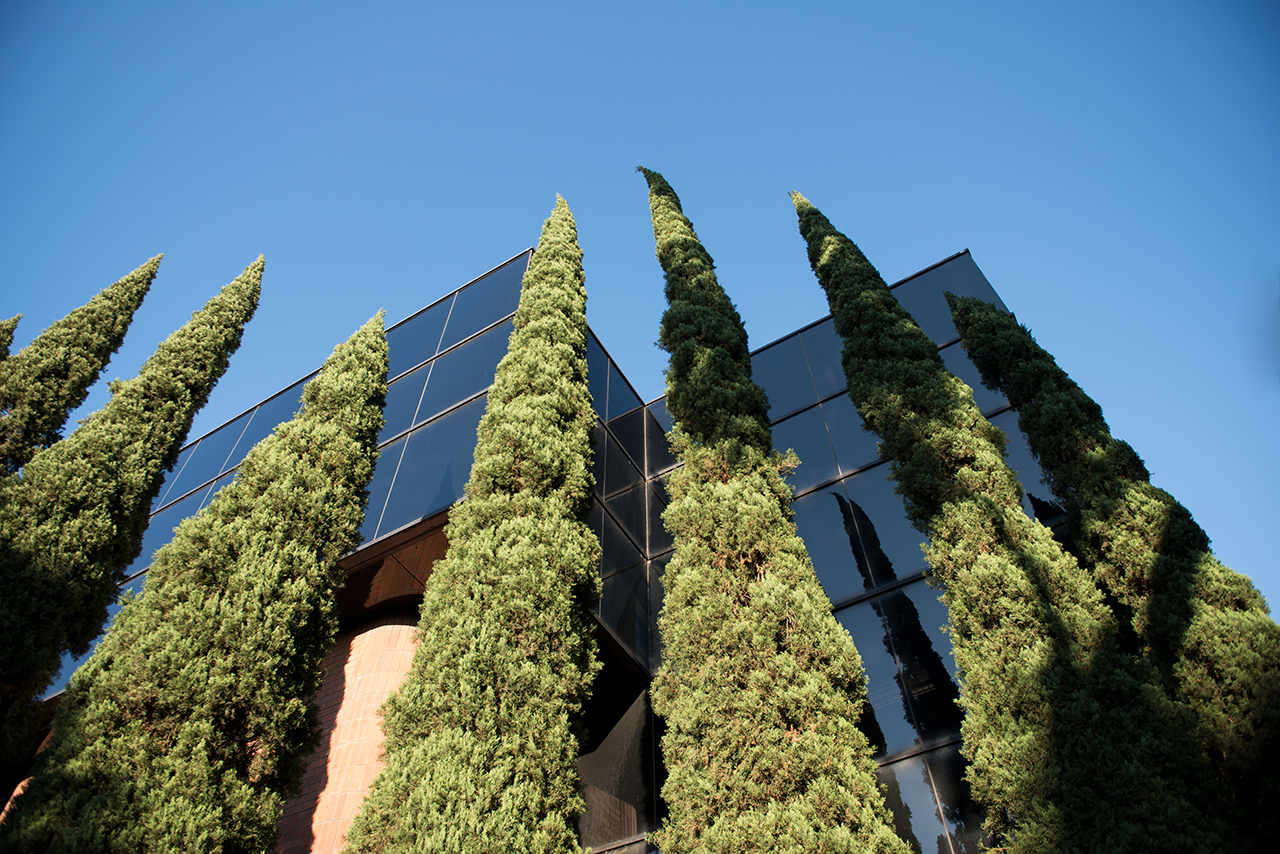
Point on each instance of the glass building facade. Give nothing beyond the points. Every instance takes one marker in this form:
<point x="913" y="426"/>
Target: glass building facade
<point x="866" y="555"/>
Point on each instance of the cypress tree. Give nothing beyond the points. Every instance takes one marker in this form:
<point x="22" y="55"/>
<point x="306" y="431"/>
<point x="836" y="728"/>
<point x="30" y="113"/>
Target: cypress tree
<point x="44" y="381"/>
<point x="480" y="740"/>
<point x="75" y="515"/>
<point x="1204" y="627"/>
<point x="190" y="722"/>
<point x="1071" y="744"/>
<point x="7" y="328"/>
<point x="760" y="686"/>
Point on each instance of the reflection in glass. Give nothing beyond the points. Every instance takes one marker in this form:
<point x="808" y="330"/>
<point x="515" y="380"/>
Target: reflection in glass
<point x="629" y="431"/>
<point x="484" y="302"/>
<point x="782" y="372"/>
<point x="214" y="487"/>
<point x="416" y="339"/>
<point x="630" y="511"/>
<point x="956" y="360"/>
<point x="434" y="468"/>
<point x="616" y="551"/>
<point x="659" y="453"/>
<point x="806" y="434"/>
<point x="619" y="473"/>
<point x="624" y="609"/>
<point x="855" y="448"/>
<point x="962" y="815"/>
<point x="131" y="587"/>
<point x="823" y="348"/>
<point x="209" y="457"/>
<point x="915" y="808"/>
<point x="922" y="295"/>
<point x="269" y="415"/>
<point x="659" y="538"/>
<point x="163" y="495"/>
<point x="463" y="371"/>
<point x="622" y="398"/>
<point x="403" y="397"/>
<point x="819" y="524"/>
<point x="597" y="375"/>
<point x="384" y="473"/>
<point x="1037" y="500"/>
<point x="873" y="491"/>
<point x="884" y="691"/>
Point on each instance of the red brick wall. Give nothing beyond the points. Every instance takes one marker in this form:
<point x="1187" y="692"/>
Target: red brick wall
<point x="364" y="666"/>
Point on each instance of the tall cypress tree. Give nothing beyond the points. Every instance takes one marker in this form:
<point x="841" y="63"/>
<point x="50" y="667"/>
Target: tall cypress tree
<point x="44" y="381"/>
<point x="190" y="722"/>
<point x="1071" y="744"/>
<point x="1205" y="627"/>
<point x="74" y="517"/>
<point x="7" y="328"/>
<point x="480" y="740"/>
<point x="760" y="687"/>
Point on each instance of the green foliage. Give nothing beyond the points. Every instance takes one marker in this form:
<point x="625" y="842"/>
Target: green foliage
<point x="1205" y="627"/>
<point x="1072" y="746"/>
<point x="7" y="328"/>
<point x="190" y="722"/>
<point x="75" y="516"/>
<point x="480" y="740"/>
<point x="760" y="687"/>
<point x="44" y="381"/>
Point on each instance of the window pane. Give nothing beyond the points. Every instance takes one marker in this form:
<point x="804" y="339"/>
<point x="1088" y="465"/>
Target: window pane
<point x="884" y="691"/>
<point x="910" y="798"/>
<point x="69" y="663"/>
<point x="379" y="485"/>
<point x="1037" y="501"/>
<point x="622" y="398"/>
<point x="823" y="347"/>
<point x="214" y="487"/>
<point x="617" y="552"/>
<point x="820" y="523"/>
<point x="160" y="528"/>
<point x="659" y="453"/>
<point x="629" y="431"/>
<point x="618" y="760"/>
<point x="434" y="469"/>
<point x="783" y="373"/>
<point x="207" y="462"/>
<point x="630" y="511"/>
<point x="619" y="474"/>
<point x="417" y="339"/>
<point x="922" y="296"/>
<point x="484" y="302"/>
<point x="624" y="609"/>
<point x="962" y="815"/>
<point x="163" y="495"/>
<point x="659" y="539"/>
<point x="806" y="434"/>
<point x="887" y="531"/>
<point x="461" y="373"/>
<point x="855" y="447"/>
<point x="269" y="415"/>
<point x="922" y="655"/>
<point x="599" y="448"/>
<point x="597" y="375"/>
<point x="403" y="396"/>
<point x="957" y="362"/>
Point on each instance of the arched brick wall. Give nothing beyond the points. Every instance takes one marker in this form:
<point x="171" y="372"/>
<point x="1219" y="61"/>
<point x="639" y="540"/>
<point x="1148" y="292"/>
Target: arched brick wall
<point x="366" y="663"/>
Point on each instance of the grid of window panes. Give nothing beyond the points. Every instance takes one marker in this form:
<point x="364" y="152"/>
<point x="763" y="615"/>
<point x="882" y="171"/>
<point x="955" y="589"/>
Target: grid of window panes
<point x="442" y="362"/>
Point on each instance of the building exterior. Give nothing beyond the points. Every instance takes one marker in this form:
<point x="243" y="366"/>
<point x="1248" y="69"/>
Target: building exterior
<point x="867" y="557"/>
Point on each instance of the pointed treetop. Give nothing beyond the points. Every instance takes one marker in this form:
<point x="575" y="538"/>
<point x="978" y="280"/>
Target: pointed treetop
<point x="6" y="334"/>
<point x="710" y="393"/>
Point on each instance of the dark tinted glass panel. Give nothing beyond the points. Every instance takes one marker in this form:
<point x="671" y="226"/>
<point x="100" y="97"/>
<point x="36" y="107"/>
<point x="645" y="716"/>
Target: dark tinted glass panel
<point x="629" y="431"/>
<point x="658" y="409"/>
<point x="69" y="662"/>
<point x="484" y="302"/>
<point x="595" y="520"/>
<point x="933" y="618"/>
<point x="657" y="567"/>
<point x="617" y="763"/>
<point x="269" y="414"/>
<point x="619" y="474"/>
<point x="910" y="798"/>
<point x="160" y="528"/>
<point x="599" y="449"/>
<point x="922" y="662"/>
<point x="892" y="714"/>
<point x="414" y="341"/>
<point x="617" y="552"/>
<point x="806" y="434"/>
<point x="820" y="522"/>
<point x="402" y="402"/>
<point x="855" y="447"/>
<point x="207" y="462"/>
<point x="624" y="609"/>
<point x="630" y="510"/>
<point x="660" y="456"/>
<point x="163" y="495"/>
<point x="962" y="815"/>
<point x="597" y="375"/>
<point x="434" y="468"/>
<point x="823" y="347"/>
<point x="957" y="362"/>
<point x="215" y="486"/>
<point x="783" y="373"/>
<point x="622" y="398"/>
<point x="923" y="295"/>
<point x="1037" y="501"/>
<point x="891" y="545"/>
<point x="461" y="373"/>
<point x="659" y="539"/>
<point x="379" y="485"/>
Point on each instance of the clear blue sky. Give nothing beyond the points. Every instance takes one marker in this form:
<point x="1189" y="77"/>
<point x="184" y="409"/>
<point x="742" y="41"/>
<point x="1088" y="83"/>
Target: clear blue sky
<point x="1113" y="167"/>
